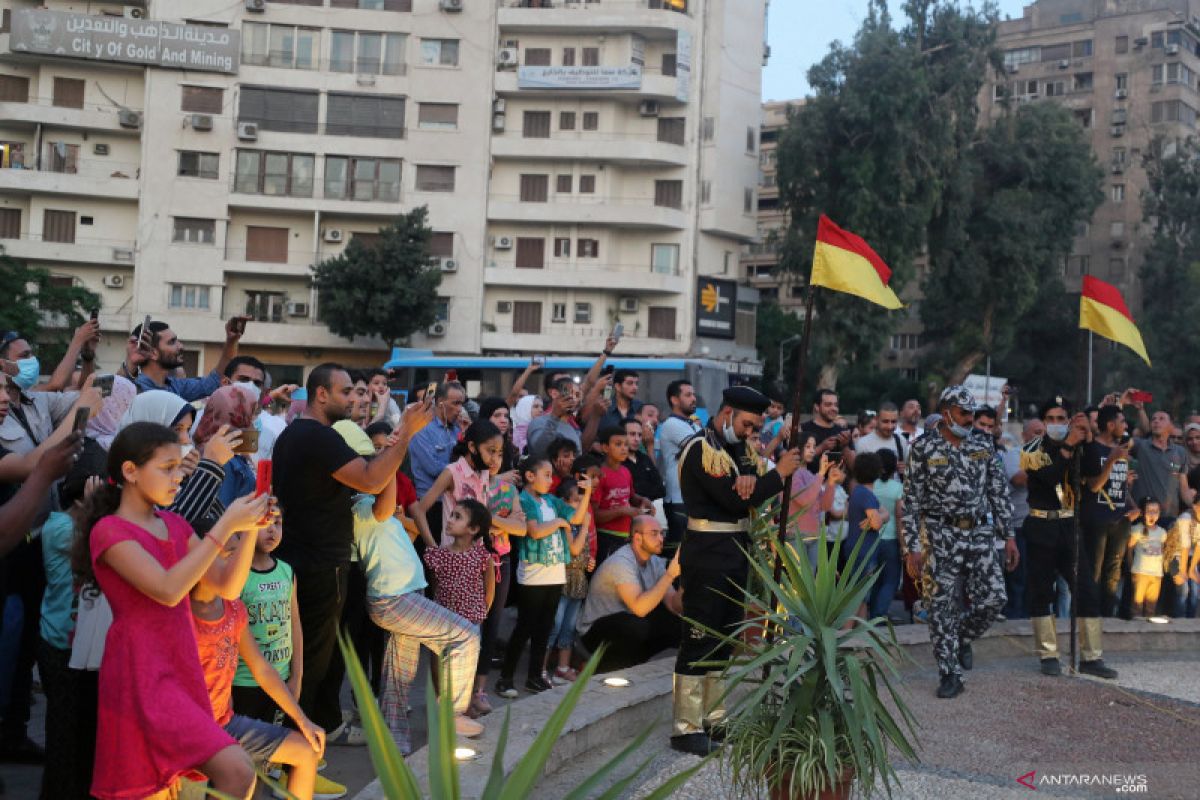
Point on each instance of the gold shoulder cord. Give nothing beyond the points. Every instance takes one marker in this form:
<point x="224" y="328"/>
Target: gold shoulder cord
<point x="928" y="585"/>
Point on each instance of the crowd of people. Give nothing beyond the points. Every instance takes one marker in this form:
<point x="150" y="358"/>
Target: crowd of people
<point x="179" y="553"/>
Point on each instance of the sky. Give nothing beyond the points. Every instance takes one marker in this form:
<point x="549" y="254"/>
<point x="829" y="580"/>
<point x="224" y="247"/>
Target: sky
<point x="800" y="32"/>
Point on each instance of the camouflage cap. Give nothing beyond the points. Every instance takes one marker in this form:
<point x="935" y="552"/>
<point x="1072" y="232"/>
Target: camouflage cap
<point x="957" y="395"/>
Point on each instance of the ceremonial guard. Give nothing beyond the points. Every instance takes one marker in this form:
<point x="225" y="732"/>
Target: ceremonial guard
<point x="1051" y="547"/>
<point x="722" y="479"/>
<point x="953" y="482"/>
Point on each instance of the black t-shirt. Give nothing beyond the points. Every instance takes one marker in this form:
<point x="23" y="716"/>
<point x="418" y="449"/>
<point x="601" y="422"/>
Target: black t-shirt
<point x="821" y="434"/>
<point x="1110" y="503"/>
<point x="318" y="525"/>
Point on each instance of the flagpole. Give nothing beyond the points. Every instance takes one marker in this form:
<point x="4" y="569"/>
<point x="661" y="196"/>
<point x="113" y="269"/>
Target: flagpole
<point x="1076" y="478"/>
<point x="1091" y="348"/>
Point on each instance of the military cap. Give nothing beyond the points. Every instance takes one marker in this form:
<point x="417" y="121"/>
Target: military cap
<point x="743" y="398"/>
<point x="957" y="395"/>
<point x="1058" y="401"/>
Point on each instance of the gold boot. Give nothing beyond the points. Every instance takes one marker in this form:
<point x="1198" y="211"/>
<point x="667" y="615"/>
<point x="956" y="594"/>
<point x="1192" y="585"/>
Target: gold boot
<point x="714" y="705"/>
<point x="1091" y="632"/>
<point x="688" y="697"/>
<point x="1045" y="642"/>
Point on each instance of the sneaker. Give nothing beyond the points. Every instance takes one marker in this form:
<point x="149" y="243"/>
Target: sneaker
<point x="1098" y="669"/>
<point x="465" y="726"/>
<point x="506" y="689"/>
<point x="347" y="736"/>
<point x="537" y="684"/>
<point x="480" y="706"/>
<point x="696" y="744"/>
<point x="325" y="789"/>
<point x="564" y="675"/>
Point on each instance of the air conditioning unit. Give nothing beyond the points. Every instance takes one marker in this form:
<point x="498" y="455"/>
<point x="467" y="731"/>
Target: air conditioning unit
<point x="334" y="235"/>
<point x="628" y="305"/>
<point x="365" y="80"/>
<point x="297" y="309"/>
<point x="1172" y="49"/>
<point x="648" y="108"/>
<point x="436" y="329"/>
<point x="133" y="12"/>
<point x="1141" y="41"/>
<point x="256" y="6"/>
<point x="1118" y="168"/>
<point x="247" y="131"/>
<point x="1064" y="64"/>
<point x="504" y="243"/>
<point x="498" y="122"/>
<point x="1117" y="131"/>
<point x="122" y="254"/>
<point x="504" y="307"/>
<point x="448" y="264"/>
<point x="507" y="57"/>
<point x="1013" y="69"/>
<point x="128" y="118"/>
<point x="114" y="281"/>
<point x="1121" y="94"/>
<point x="450" y="5"/>
<point x="100" y="149"/>
<point x="499" y="105"/>
<point x="201" y="122"/>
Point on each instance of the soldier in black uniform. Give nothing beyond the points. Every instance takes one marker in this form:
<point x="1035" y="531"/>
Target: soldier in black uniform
<point x="1049" y="463"/>
<point x="722" y="479"/>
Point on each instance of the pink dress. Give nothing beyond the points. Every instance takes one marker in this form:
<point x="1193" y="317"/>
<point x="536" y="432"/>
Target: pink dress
<point x="468" y="484"/>
<point x="155" y="722"/>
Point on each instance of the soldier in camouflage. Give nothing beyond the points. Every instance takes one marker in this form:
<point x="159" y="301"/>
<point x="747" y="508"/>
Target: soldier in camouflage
<point x="954" y="481"/>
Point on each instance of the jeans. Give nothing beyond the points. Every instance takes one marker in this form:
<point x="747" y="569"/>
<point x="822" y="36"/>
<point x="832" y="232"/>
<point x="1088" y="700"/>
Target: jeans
<point x="562" y="635"/>
<point x="887" y="561"/>
<point x="1184" y="600"/>
<point x="491" y="624"/>
<point x="1014" y="585"/>
<point x="631" y="639"/>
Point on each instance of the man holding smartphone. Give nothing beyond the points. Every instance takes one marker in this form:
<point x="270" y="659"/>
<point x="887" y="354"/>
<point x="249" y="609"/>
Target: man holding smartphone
<point x="155" y="353"/>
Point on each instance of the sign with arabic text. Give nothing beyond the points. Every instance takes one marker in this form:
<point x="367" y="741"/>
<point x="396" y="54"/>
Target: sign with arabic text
<point x="131" y="41"/>
<point x="580" y="77"/>
<point x="716" y="308"/>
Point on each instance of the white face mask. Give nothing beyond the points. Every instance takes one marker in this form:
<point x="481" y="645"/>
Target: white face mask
<point x="730" y="435"/>
<point x="250" y="389"/>
<point x="186" y="449"/>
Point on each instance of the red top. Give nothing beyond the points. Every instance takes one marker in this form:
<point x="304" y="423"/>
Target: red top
<point x="406" y="493"/>
<point x="459" y="578"/>
<point x="613" y="489"/>
<point x="218" y="643"/>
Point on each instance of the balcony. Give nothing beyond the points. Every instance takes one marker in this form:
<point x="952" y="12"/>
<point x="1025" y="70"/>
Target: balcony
<point x="557" y="337"/>
<point x="40" y="111"/>
<point x="296" y="332"/>
<point x="653" y="86"/>
<point x="87" y="177"/>
<point x="587" y="274"/>
<point x="100" y="251"/>
<point x="239" y="197"/>
<point x="645" y="17"/>
<point x="594" y="210"/>
<point x="630" y="149"/>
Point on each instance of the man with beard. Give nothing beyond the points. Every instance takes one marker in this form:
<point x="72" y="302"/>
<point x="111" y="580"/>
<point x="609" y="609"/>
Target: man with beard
<point x="722" y="479"/>
<point x="910" y="421"/>
<point x="676" y="429"/>
<point x="315" y="476"/>
<point x="155" y="365"/>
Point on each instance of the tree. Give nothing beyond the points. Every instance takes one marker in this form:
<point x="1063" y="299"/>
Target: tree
<point x="1003" y="234"/>
<point x="873" y="149"/>
<point x="386" y="288"/>
<point x="774" y="326"/>
<point x="50" y="314"/>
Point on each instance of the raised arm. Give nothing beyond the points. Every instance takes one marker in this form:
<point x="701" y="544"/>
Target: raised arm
<point x="514" y="394"/>
<point x="372" y="476"/>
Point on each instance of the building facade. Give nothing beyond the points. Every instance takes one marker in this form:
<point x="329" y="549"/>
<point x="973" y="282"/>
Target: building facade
<point x="582" y="164"/>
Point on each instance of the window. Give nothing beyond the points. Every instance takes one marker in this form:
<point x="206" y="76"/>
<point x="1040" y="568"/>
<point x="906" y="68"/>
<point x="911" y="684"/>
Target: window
<point x="437" y="116"/>
<point x="1118" y="193"/>
<point x="563" y="184"/>
<point x="1122" y="45"/>
<point x="371" y="115"/>
<point x="58" y="226"/>
<point x="441" y="309"/>
<point x="1156" y="39"/>
<point x="195" y="231"/>
<point x="1079" y="265"/>
<point x="14" y="89"/>
<point x="751" y="139"/>
<point x="591" y="120"/>
<point x="1081" y="49"/>
<point x="287" y="110"/>
<point x="1173" y="111"/>
<point x="194" y="164"/>
<point x="566" y="120"/>
<point x="531" y="253"/>
<point x="591" y="56"/>
<point x="537" y="56"/>
<point x="362" y="178"/>
<point x="668" y="194"/>
<point x="535" y="188"/>
<point x="1055" y="88"/>
<point x="439" y="52"/>
<point x="1156" y="74"/>
<point x="367" y="53"/>
<point x="266" y="244"/>
<point x="1083" y="82"/>
<point x="431" y="178"/>
<point x="1119" y="155"/>
<point x="527" y="317"/>
<point x="583" y="313"/>
<point x="705" y="191"/>
<point x="668" y="64"/>
<point x="1116" y="229"/>
<point x="662" y="322"/>
<point x="10" y="223"/>
<point x="536" y="125"/>
<point x="558" y="312"/>
<point x="189" y="295"/>
<point x="368" y="5"/>
<point x="568" y="59"/>
<point x="61" y="157"/>
<point x="1178" y="73"/>
<point x="275" y="45"/>
<point x="1116" y="268"/>
<point x="1121" y="79"/>
<point x="562" y="247"/>
<point x="265" y="306"/>
<point x="1083" y="116"/>
<point x="664" y="259"/>
<point x="203" y="99"/>
<point x="747" y="200"/>
<point x="587" y="184"/>
<point x="441" y="244"/>
<point x="275" y="174"/>
<point x="588" y="248"/>
<point x="671" y="129"/>
<point x="68" y="92"/>
<point x="1024" y="55"/>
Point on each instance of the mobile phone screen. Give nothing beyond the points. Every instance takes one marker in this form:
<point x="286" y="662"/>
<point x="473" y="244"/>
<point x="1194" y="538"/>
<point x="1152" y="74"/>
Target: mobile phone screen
<point x="81" y="419"/>
<point x="95" y="315"/>
<point x="618" y="331"/>
<point x="430" y="391"/>
<point x="144" y="339"/>
<point x="262" y="478"/>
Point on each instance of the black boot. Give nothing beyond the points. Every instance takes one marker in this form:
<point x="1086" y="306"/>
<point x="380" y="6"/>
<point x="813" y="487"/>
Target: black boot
<point x="951" y="686"/>
<point x="697" y="744"/>
<point x="1051" y="667"/>
<point x="966" y="656"/>
<point x="1098" y="669"/>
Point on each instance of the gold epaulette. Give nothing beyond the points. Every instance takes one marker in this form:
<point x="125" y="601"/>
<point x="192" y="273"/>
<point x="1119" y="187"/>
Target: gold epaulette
<point x="1034" y="460"/>
<point x="714" y="460"/>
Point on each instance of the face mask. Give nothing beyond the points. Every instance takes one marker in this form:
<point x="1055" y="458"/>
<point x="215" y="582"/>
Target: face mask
<point x="1057" y="431"/>
<point x="28" y="372"/>
<point x="730" y="436"/>
<point x="185" y="449"/>
<point x="250" y="389"/>
<point x="960" y="431"/>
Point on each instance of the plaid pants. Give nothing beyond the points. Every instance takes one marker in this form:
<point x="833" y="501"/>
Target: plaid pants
<point x="414" y="620"/>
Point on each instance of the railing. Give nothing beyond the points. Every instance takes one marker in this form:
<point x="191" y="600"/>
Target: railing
<point x="363" y="68"/>
<point x="92" y="107"/>
<point x="678" y="6"/>
<point x="83" y="241"/>
<point x="95" y="168"/>
<point x="575" y="198"/>
<point x="561" y="329"/>
<point x="390" y="191"/>
<point x="587" y="264"/>
<point x="591" y="137"/>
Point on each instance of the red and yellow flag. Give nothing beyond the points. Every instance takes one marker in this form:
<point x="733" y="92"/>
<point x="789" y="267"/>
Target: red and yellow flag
<point x="845" y="263"/>
<point x="1102" y="310"/>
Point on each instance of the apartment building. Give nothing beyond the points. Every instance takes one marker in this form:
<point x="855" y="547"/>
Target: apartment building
<point x="760" y="259"/>
<point x="583" y="163"/>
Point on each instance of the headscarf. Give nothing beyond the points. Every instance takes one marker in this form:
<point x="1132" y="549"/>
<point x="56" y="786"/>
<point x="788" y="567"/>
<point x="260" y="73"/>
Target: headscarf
<point x="103" y="427"/>
<point x="229" y="405"/>
<point x="156" y="405"/>
<point x="489" y="405"/>
<point x="521" y="416"/>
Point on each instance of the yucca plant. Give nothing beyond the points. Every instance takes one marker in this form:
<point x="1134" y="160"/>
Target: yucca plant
<point x="808" y="711"/>
<point x="399" y="782"/>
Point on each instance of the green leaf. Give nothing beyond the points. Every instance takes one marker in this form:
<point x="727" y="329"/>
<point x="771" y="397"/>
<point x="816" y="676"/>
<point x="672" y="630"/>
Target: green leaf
<point x="443" y="766"/>
<point x="581" y="791"/>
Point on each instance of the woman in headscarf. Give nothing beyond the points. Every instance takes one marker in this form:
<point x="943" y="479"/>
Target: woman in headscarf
<point x="233" y="407"/>
<point x="495" y="411"/>
<point x="528" y="409"/>
<point x="103" y="427"/>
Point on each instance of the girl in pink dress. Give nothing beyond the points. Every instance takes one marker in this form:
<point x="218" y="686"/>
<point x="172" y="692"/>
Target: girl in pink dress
<point x="155" y="721"/>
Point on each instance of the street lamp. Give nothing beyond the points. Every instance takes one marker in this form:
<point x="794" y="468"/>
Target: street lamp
<point x="783" y="344"/>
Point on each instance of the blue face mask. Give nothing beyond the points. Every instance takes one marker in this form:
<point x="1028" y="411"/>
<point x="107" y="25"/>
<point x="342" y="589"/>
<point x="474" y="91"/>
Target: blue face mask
<point x="959" y="431"/>
<point x="28" y="372"/>
<point x="1057" y="431"/>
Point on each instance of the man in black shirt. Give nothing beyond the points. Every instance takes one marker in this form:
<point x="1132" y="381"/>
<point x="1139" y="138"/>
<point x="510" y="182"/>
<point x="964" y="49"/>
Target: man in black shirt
<point x="647" y="482"/>
<point x="315" y="477"/>
<point x="829" y="435"/>
<point x="1105" y="502"/>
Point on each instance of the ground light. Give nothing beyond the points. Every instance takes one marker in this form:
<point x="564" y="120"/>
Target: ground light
<point x="465" y="754"/>
<point x="616" y="683"/>
<point x="1159" y="620"/>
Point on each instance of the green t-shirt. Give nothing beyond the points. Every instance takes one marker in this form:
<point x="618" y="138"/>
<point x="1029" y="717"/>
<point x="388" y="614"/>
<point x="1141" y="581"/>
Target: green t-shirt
<point x="268" y="599"/>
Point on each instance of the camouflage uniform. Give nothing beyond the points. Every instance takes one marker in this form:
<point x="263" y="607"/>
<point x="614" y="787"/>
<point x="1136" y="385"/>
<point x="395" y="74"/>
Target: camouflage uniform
<point x="948" y="494"/>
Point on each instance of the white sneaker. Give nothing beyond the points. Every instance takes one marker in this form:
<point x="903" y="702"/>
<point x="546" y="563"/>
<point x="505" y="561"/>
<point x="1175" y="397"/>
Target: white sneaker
<point x="347" y="735"/>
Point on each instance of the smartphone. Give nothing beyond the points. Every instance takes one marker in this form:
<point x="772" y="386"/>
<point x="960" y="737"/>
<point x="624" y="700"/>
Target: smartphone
<point x="538" y="360"/>
<point x="1141" y="397"/>
<point x="144" y="338"/>
<point x="262" y="478"/>
<point x="618" y="331"/>
<point x="431" y="391"/>
<point x="81" y="419"/>
<point x="105" y="384"/>
<point x="249" y="444"/>
<point x="239" y="325"/>
<point x="608" y="392"/>
<point x="95" y="315"/>
<point x="1126" y="439"/>
<point x="835" y="456"/>
<point x="608" y="370"/>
